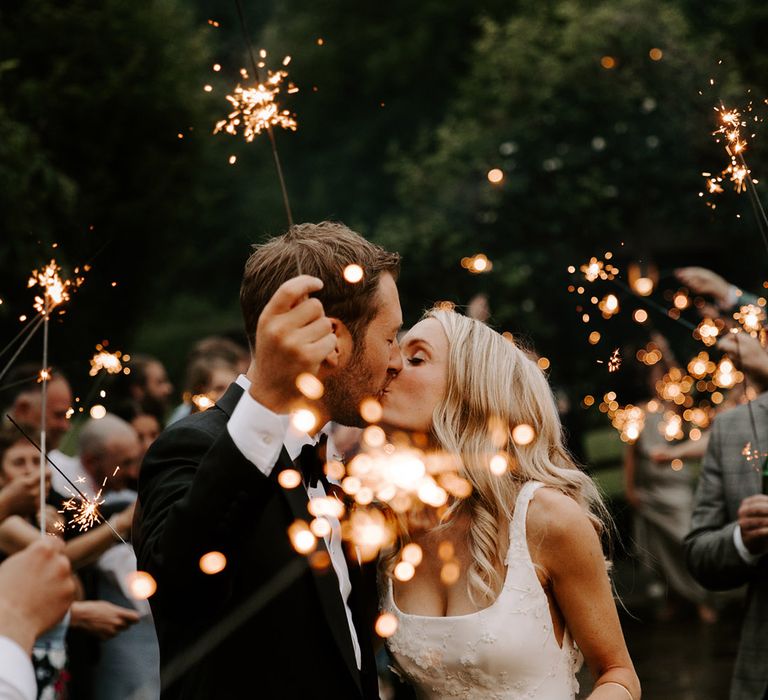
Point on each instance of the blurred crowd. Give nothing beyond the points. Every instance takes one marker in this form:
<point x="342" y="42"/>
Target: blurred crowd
<point x="70" y="599"/>
<point x="105" y="647"/>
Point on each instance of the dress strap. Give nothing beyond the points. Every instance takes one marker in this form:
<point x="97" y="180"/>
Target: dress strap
<point x="518" y="543"/>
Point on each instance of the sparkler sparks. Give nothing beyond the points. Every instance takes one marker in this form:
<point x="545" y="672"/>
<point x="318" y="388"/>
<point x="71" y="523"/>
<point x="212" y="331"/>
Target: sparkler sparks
<point x="85" y="512"/>
<point x="56" y="290"/>
<point x="751" y="318"/>
<point x="614" y="361"/>
<point x="255" y="109"/>
<point x="597" y="269"/>
<point x="111" y="362"/>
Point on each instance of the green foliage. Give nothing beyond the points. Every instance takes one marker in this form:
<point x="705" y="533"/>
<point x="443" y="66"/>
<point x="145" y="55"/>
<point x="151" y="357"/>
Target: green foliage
<point x="593" y="158"/>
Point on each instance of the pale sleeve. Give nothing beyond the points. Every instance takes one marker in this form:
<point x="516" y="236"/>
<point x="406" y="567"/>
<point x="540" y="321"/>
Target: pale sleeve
<point x="17" y="676"/>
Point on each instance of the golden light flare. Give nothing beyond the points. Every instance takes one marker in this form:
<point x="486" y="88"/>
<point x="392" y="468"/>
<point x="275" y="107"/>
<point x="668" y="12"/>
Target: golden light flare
<point x="495" y="176"/>
<point x="353" y="273"/>
<point x="404" y="571"/>
<point x="609" y="305"/>
<point x="255" y="109"/>
<point x="671" y="427"/>
<point x="320" y="527"/>
<point x="477" y="264"/>
<point x="110" y="362"/>
<point x="386" y="625"/>
<point x="751" y="318"/>
<point x="412" y="553"/>
<point x="523" y="434"/>
<point x="98" y="412"/>
<point x="141" y="585"/>
<point x="202" y="402"/>
<point x="289" y="478"/>
<point x="212" y="563"/>
<point x="498" y="464"/>
<point x="304" y="420"/>
<point x="707" y="331"/>
<point x="310" y="386"/>
<point x="371" y="410"/>
<point x="629" y="421"/>
<point x="374" y="436"/>
<point x="302" y="539"/>
<point x="450" y="573"/>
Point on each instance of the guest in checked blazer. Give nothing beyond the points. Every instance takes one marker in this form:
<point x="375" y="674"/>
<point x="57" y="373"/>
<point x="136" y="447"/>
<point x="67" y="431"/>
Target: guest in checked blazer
<point x="727" y="545"/>
<point x="272" y="623"/>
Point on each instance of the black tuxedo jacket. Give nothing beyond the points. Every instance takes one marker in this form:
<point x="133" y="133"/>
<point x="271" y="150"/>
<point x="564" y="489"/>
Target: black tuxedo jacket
<point x="270" y="625"/>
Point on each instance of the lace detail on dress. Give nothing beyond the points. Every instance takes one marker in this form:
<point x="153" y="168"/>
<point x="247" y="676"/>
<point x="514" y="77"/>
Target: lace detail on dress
<point x="507" y="651"/>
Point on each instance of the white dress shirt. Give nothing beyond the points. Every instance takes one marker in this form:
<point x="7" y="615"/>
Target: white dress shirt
<point x="260" y="435"/>
<point x="17" y="676"/>
<point x="741" y="548"/>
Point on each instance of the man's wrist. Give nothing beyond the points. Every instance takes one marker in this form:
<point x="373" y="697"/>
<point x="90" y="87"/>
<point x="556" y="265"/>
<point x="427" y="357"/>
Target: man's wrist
<point x="746" y="556"/>
<point x="15" y="626"/>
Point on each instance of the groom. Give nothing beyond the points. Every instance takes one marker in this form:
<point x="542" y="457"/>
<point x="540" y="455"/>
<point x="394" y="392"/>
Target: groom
<point x="273" y="623"/>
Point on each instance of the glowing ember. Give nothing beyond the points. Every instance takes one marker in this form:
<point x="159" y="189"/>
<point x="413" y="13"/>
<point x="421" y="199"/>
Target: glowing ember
<point x="108" y="361"/>
<point x="386" y="625"/>
<point x="212" y="563"/>
<point x="303" y="420"/>
<point x="309" y="385"/>
<point x="203" y="402"/>
<point x="523" y="434"/>
<point x="141" y="585"/>
<point x="477" y="264"/>
<point x="614" y="361"/>
<point x="353" y="273"/>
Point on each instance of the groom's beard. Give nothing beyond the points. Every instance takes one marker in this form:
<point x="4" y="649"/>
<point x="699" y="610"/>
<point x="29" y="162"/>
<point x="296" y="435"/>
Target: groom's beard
<point x="346" y="389"/>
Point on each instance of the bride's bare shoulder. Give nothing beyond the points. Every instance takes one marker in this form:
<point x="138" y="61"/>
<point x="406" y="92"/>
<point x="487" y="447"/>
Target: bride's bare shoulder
<point x="556" y="521"/>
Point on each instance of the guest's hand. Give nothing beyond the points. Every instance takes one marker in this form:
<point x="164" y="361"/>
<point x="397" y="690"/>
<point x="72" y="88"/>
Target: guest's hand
<point x="293" y="336"/>
<point x="101" y="618"/>
<point x="753" y="521"/>
<point x="36" y="588"/>
<point x="20" y="496"/>
<point x="747" y="353"/>
<point x="700" y="280"/>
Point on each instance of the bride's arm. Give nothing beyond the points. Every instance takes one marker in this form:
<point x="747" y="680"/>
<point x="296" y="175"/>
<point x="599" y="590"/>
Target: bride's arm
<point x="564" y="544"/>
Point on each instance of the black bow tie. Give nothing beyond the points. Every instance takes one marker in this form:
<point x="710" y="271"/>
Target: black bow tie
<point x="311" y="462"/>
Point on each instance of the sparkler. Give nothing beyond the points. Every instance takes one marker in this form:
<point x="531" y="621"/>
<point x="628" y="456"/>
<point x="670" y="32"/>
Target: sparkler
<point x="88" y="510"/>
<point x="55" y="292"/>
<point x="256" y="109"/>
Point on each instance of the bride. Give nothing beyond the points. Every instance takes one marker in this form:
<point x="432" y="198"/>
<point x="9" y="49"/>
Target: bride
<point x="533" y="596"/>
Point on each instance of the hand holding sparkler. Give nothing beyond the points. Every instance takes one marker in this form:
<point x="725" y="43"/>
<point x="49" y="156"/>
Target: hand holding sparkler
<point x="753" y="521"/>
<point x="36" y="588"/>
<point x="700" y="280"/>
<point x="293" y="337"/>
<point x="20" y="496"/>
<point x="748" y="355"/>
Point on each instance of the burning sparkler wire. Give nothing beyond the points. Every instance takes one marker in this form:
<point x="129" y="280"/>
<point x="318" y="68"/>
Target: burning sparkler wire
<point x="97" y="512"/>
<point x="31" y="328"/>
<point x="270" y="132"/>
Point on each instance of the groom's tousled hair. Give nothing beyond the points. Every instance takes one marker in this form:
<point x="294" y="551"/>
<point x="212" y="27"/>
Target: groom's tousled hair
<point x="322" y="250"/>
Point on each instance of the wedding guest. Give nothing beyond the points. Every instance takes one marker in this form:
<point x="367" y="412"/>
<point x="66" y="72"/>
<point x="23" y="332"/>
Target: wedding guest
<point x="147" y="429"/>
<point x="207" y="378"/>
<point x="725" y="295"/>
<point x="728" y="540"/>
<point x="19" y="460"/>
<point x="24" y="397"/>
<point x="211" y="483"/>
<point x="36" y="589"/>
<point x="146" y="386"/>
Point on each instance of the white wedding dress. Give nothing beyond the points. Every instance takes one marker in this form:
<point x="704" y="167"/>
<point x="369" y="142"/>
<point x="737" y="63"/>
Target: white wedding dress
<point x="506" y="651"/>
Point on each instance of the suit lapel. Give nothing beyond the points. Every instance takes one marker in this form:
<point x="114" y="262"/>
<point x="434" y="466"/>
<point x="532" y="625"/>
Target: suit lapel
<point x="326" y="581"/>
<point x="230" y="398"/>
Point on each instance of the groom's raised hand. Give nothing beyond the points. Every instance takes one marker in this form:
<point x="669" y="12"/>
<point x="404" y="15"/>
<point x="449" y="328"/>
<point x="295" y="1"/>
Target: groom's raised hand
<point x="293" y="335"/>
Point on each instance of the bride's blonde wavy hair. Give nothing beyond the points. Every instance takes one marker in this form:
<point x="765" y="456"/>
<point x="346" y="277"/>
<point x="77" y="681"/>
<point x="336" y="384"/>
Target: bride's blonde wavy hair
<point x="492" y="387"/>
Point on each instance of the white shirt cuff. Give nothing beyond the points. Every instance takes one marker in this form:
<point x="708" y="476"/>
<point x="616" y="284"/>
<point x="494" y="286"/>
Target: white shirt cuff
<point x="741" y="548"/>
<point x="17" y="676"/>
<point x="257" y="432"/>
